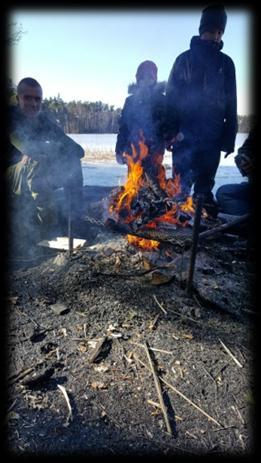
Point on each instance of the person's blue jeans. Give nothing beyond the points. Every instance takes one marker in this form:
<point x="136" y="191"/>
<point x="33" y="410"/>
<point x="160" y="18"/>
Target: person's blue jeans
<point x="234" y="199"/>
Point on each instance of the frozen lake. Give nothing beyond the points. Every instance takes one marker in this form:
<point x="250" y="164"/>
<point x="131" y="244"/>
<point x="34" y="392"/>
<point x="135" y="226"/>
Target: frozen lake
<point x="107" y="172"/>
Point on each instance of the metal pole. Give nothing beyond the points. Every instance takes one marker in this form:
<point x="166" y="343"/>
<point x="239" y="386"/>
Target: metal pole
<point x="70" y="237"/>
<point x="194" y="242"/>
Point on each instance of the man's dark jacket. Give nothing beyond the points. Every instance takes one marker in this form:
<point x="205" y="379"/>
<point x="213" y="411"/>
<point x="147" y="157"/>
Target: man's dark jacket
<point x="201" y="95"/>
<point x="143" y="115"/>
<point x="38" y="137"/>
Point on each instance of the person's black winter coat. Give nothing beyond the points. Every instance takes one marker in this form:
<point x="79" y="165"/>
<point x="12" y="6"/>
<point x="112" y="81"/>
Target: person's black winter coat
<point x="201" y="95"/>
<point x="142" y="118"/>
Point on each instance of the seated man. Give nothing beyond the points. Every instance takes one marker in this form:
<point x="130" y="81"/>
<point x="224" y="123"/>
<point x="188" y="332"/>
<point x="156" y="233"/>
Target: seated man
<point x="236" y="198"/>
<point x="42" y="159"/>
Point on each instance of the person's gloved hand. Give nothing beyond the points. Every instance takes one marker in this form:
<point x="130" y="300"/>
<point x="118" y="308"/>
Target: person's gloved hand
<point x="120" y="158"/>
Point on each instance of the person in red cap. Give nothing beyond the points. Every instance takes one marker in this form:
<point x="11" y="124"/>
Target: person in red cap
<point x="202" y="107"/>
<point x="143" y="118"/>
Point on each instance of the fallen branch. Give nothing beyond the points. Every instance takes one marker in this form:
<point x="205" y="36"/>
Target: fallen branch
<point x="230" y="353"/>
<point x="158" y="387"/>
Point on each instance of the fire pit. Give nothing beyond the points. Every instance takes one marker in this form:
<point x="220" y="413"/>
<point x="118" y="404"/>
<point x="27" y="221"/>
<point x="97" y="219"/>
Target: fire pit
<point x="149" y="209"/>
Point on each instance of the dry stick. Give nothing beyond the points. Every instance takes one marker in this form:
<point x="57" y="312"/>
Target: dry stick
<point x="152" y="324"/>
<point x="160" y="306"/>
<point x="17" y="376"/>
<point x="190" y="402"/>
<point x="230" y="353"/>
<point x="29" y="318"/>
<point x="158" y="387"/>
<point x="63" y="390"/>
<point x="181" y="395"/>
<point x="151" y="348"/>
<point x="185" y="316"/>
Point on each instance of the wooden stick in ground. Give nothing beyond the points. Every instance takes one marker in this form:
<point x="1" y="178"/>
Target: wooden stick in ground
<point x="158" y="387"/>
<point x="194" y="243"/>
<point x="70" y="237"/>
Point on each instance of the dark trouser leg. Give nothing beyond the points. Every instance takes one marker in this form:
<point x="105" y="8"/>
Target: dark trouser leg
<point x="234" y="199"/>
<point x="205" y="164"/>
<point x="181" y="165"/>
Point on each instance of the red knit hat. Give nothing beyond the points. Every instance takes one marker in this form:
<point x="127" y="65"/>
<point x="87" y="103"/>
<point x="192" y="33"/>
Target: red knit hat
<point x="147" y="69"/>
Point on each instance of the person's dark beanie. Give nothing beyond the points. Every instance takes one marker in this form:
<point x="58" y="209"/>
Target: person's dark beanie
<point x="213" y="17"/>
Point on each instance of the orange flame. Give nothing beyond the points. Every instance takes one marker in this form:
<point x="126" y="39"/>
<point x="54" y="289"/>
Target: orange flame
<point x="142" y="242"/>
<point x="135" y="180"/>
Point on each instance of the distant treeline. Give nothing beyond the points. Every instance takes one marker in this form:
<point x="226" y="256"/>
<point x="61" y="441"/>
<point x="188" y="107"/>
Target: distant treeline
<point x="83" y="117"/>
<point x="98" y="117"/>
<point x="94" y="117"/>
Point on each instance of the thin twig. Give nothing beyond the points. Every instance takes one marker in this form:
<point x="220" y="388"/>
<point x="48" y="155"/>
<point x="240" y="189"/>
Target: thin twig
<point x="31" y="319"/>
<point x="151" y="348"/>
<point x="180" y="394"/>
<point x="158" y="388"/>
<point x="190" y="402"/>
<point x="63" y="390"/>
<point x="230" y="353"/>
<point x="153" y="323"/>
<point x="185" y="316"/>
<point x="159" y="304"/>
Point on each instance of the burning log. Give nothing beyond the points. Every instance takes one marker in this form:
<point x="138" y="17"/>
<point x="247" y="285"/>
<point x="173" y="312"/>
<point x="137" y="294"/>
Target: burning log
<point x="167" y="234"/>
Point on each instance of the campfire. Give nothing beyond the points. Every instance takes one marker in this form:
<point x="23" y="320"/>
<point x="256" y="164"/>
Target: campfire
<point x="148" y="208"/>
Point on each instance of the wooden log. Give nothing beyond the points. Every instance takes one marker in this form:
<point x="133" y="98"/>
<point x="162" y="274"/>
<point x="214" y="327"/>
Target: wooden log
<point x="225" y="226"/>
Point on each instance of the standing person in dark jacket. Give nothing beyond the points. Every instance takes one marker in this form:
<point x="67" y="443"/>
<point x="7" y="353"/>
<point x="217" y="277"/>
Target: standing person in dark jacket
<point x="202" y="107"/>
<point x="142" y="119"/>
<point x="42" y="159"/>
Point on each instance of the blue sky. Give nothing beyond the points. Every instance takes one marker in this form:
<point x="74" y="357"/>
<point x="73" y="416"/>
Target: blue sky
<point x="93" y="55"/>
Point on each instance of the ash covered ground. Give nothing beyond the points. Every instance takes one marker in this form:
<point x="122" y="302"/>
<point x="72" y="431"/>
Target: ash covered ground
<point x="80" y="380"/>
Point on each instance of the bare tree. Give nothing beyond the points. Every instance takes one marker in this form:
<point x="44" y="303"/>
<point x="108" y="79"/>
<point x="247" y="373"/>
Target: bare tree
<point x="14" y="34"/>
